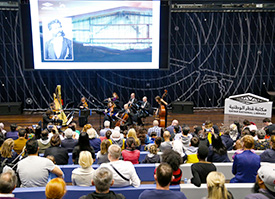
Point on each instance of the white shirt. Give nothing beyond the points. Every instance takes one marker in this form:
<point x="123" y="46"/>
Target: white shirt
<point x="126" y="169"/>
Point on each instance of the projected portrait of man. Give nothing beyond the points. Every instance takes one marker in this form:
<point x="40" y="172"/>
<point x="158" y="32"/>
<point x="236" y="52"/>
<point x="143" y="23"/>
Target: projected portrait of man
<point x="58" y="47"/>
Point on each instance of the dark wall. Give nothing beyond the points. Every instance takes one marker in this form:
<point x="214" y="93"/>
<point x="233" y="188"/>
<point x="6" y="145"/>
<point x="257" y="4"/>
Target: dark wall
<point x="213" y="55"/>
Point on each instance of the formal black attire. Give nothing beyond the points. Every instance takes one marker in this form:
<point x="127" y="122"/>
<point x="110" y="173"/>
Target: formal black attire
<point x="60" y="154"/>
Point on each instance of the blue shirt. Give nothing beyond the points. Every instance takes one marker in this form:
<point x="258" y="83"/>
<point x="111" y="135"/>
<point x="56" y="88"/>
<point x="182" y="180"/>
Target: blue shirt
<point x="163" y="194"/>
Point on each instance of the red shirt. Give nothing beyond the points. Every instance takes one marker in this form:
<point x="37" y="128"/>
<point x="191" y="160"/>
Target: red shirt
<point x="132" y="156"/>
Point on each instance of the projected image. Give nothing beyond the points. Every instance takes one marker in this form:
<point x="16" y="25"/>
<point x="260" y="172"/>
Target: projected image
<point x="101" y="31"/>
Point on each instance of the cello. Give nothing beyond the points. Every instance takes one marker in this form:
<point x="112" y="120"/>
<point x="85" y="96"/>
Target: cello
<point x="162" y="109"/>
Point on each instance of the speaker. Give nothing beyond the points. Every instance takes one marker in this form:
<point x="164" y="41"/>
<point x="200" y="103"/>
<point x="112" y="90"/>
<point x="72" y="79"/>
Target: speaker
<point x="183" y="107"/>
<point x="11" y="108"/>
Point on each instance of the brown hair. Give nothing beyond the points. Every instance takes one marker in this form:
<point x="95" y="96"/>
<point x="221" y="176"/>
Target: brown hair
<point x="86" y="127"/>
<point x="104" y="146"/>
<point x="272" y="139"/>
<point x="153" y="149"/>
<point x="55" y="140"/>
<point x="55" y="189"/>
<point x="248" y="141"/>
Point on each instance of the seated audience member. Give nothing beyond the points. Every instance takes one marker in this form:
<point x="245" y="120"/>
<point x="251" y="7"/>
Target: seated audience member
<point x="33" y="170"/>
<point x="217" y="151"/>
<point x="94" y="141"/>
<point x="56" y="189"/>
<point x="116" y="139"/>
<point x="152" y="156"/>
<point x="269" y="154"/>
<point x="268" y="126"/>
<point x="8" y="182"/>
<point x="246" y="164"/>
<point x="201" y="169"/>
<point x="132" y="133"/>
<point x="76" y="132"/>
<point x="82" y="145"/>
<point x="52" y="175"/>
<point x="202" y="135"/>
<point x="174" y="160"/>
<point x="234" y="133"/>
<point x="83" y="176"/>
<point x="103" y="180"/>
<point x="167" y="144"/>
<point x="13" y="134"/>
<point x="2" y="130"/>
<point x="216" y="188"/>
<point x="60" y="154"/>
<point x="131" y="153"/>
<point x="20" y="142"/>
<point x="102" y="155"/>
<point x="163" y="177"/>
<point x="171" y="129"/>
<point x="178" y="132"/>
<point x="155" y="128"/>
<point x="184" y="138"/>
<point x="7" y="151"/>
<point x="151" y="139"/>
<point x="69" y="143"/>
<point x="227" y="140"/>
<point x="106" y="128"/>
<point x="192" y="151"/>
<point x="128" y="175"/>
<point x="44" y="141"/>
<point x="261" y="143"/>
<point x="49" y="117"/>
<point x="37" y="132"/>
<point x="264" y="185"/>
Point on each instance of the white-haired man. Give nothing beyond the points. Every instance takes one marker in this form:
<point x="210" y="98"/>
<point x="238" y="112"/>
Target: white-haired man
<point x="155" y="128"/>
<point x="106" y="128"/>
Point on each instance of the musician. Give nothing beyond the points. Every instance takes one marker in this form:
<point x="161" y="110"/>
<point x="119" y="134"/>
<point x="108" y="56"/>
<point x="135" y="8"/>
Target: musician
<point x="125" y="116"/>
<point x="83" y="104"/>
<point x="110" y="112"/>
<point x="133" y="103"/>
<point x="161" y="102"/>
<point x="143" y="112"/>
<point x="49" y="117"/>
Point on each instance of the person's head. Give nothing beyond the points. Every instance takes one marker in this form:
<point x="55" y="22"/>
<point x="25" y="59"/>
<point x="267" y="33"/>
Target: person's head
<point x="218" y="145"/>
<point x="91" y="133"/>
<point x="226" y="131"/>
<point x="86" y="127"/>
<point x="131" y="143"/>
<point x="272" y="142"/>
<point x="125" y="106"/>
<point x="83" y="99"/>
<point x="7" y="146"/>
<point x="265" y="178"/>
<point x="208" y="124"/>
<point x="22" y="132"/>
<point x="114" y="152"/>
<point x="83" y="141"/>
<point x="185" y="130"/>
<point x="155" y="123"/>
<point x="158" y="141"/>
<point x="104" y="146"/>
<point x="51" y="158"/>
<point x="133" y="95"/>
<point x="115" y="95"/>
<point x="115" y="135"/>
<point x="102" y="179"/>
<point x="55" y="140"/>
<point x="13" y="127"/>
<point x="85" y="159"/>
<point x="44" y="134"/>
<point x="32" y="146"/>
<point x="202" y="152"/>
<point x="164" y="174"/>
<point x="246" y="123"/>
<point x="176" y="129"/>
<point x="194" y="142"/>
<point x="49" y="113"/>
<point x="107" y="124"/>
<point x="248" y="142"/>
<point x="173" y="158"/>
<point x="266" y="121"/>
<point x="175" y="122"/>
<point x="261" y="134"/>
<point x="68" y="133"/>
<point x="157" y="98"/>
<point x="132" y="133"/>
<point x="108" y="134"/>
<point x="56" y="28"/>
<point x="144" y="99"/>
<point x="215" y="185"/>
<point x="1" y="126"/>
<point x="166" y="135"/>
<point x="56" y="189"/>
<point x="8" y="181"/>
<point x="153" y="135"/>
<point x="153" y="149"/>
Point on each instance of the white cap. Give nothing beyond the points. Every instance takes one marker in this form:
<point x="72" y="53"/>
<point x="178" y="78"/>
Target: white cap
<point x="267" y="175"/>
<point x="115" y="135"/>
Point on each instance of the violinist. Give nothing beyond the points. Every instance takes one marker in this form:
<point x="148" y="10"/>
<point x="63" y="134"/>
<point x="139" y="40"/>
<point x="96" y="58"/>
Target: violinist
<point x="83" y="104"/>
<point x="162" y="109"/>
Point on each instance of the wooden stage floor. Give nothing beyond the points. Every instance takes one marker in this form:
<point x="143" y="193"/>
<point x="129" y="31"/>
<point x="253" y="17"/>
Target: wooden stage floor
<point x="198" y="118"/>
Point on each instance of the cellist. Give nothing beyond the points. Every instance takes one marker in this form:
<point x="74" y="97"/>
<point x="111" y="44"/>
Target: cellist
<point x="125" y="116"/>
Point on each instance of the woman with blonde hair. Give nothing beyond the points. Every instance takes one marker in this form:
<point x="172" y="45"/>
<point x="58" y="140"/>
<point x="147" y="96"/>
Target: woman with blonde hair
<point x="56" y="189"/>
<point x="7" y="151"/>
<point x="86" y="127"/>
<point x="132" y="133"/>
<point x="102" y="155"/>
<point x="215" y="186"/>
<point x="83" y="176"/>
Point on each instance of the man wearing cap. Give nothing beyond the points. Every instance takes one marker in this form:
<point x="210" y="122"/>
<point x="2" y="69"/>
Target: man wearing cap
<point x="124" y="172"/>
<point x="264" y="187"/>
<point x="116" y="139"/>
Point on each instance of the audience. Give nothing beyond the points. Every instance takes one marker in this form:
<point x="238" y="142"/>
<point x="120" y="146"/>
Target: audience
<point x="20" y="142"/>
<point x="268" y="126"/>
<point x="83" y="176"/>
<point x="132" y="133"/>
<point x="155" y="129"/>
<point x="201" y="169"/>
<point x="163" y="177"/>
<point x="152" y="156"/>
<point x="44" y="141"/>
<point x="8" y="182"/>
<point x="13" y="134"/>
<point x="82" y="145"/>
<point x="33" y="170"/>
<point x="94" y="141"/>
<point x="102" y="155"/>
<point x="124" y="172"/>
<point x="7" y="153"/>
<point x="174" y="160"/>
<point x="116" y="139"/>
<point x="264" y="186"/>
<point x="261" y="143"/>
<point x="269" y="154"/>
<point x="167" y="144"/>
<point x="215" y="186"/>
<point x="170" y="128"/>
<point x="217" y="151"/>
<point x="69" y="143"/>
<point x="60" y="154"/>
<point x="192" y="150"/>
<point x="131" y="153"/>
<point x="227" y="140"/>
<point x="103" y="180"/>
<point x="106" y="128"/>
<point x="55" y="189"/>
<point x="246" y="164"/>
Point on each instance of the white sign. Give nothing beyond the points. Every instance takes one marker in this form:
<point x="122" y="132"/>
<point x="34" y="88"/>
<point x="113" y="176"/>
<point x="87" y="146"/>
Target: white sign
<point x="248" y="104"/>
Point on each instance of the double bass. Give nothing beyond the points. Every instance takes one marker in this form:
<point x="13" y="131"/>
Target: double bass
<point x="162" y="110"/>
